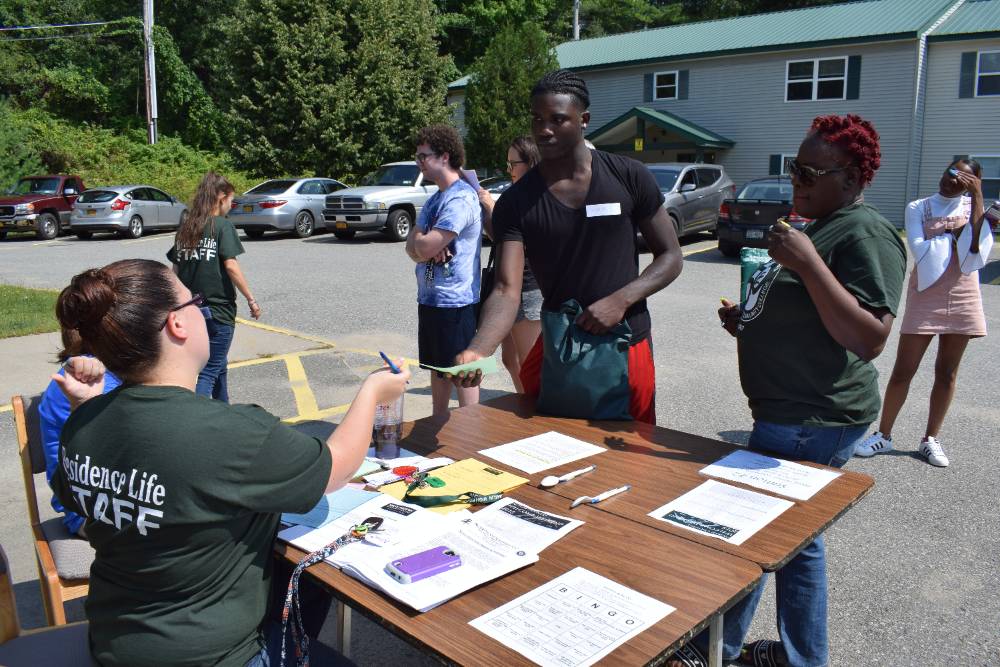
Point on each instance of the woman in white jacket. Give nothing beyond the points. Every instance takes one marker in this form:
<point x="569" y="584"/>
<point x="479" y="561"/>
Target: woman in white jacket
<point x="949" y="243"/>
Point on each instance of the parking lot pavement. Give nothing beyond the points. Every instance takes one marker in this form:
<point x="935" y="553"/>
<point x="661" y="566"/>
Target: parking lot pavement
<point x="913" y="568"/>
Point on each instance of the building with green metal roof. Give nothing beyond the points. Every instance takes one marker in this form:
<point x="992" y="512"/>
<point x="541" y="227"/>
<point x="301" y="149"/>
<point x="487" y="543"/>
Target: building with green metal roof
<point x="743" y="91"/>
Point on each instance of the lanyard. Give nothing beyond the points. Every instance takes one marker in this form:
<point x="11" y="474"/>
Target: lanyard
<point x="292" y="609"/>
<point x="420" y="480"/>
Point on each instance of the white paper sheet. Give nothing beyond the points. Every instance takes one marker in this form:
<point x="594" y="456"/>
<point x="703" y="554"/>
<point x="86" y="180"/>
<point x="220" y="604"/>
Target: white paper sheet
<point x="722" y="511"/>
<point x="575" y="619"/>
<point x="541" y="452"/>
<point x="534" y="528"/>
<point x="792" y="480"/>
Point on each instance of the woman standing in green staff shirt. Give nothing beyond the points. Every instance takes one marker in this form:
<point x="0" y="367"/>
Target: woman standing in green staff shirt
<point x="822" y="309"/>
<point x="182" y="496"/>
<point x="204" y="258"/>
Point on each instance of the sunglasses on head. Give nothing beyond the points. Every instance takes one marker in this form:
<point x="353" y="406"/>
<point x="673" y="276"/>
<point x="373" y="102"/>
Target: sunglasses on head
<point x="808" y="175"/>
<point x="195" y="300"/>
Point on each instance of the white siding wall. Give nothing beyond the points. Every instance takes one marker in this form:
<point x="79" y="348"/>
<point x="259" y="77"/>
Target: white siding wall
<point x="954" y="125"/>
<point x="742" y="98"/>
<point x="456" y="105"/>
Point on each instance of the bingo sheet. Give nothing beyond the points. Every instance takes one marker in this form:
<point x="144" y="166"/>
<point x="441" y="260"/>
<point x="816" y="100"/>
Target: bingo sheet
<point x="575" y="619"/>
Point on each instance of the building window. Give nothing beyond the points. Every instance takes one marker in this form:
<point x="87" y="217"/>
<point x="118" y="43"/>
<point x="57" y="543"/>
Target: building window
<point x="785" y="159"/>
<point x="665" y="86"/>
<point x="820" y="79"/>
<point x="991" y="176"/>
<point x="988" y="73"/>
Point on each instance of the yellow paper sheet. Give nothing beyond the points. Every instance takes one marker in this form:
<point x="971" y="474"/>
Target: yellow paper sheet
<point x="460" y="477"/>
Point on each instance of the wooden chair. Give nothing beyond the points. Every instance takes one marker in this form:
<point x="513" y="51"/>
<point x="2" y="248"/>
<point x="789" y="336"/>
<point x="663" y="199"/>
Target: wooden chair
<point x="63" y="559"/>
<point x="62" y="646"/>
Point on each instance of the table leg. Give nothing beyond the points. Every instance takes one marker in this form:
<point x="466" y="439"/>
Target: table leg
<point x="715" y="641"/>
<point x="343" y="629"/>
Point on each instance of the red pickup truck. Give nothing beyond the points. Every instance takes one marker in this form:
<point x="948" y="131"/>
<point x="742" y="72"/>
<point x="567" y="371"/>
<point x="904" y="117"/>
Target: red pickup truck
<point x="41" y="204"/>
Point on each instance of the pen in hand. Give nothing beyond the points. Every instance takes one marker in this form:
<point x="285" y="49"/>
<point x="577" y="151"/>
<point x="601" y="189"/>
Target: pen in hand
<point x="392" y="367"/>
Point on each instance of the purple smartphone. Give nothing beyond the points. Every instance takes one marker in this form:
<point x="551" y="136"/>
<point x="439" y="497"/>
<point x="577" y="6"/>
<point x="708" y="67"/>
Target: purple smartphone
<point x="422" y="565"/>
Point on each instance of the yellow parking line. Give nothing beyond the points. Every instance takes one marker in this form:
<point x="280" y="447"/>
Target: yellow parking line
<point x="49" y="242"/>
<point x="287" y="332"/>
<point x="142" y="240"/>
<point x="6" y="408"/>
<point x="319" y="414"/>
<point x="695" y="252"/>
<point x="277" y="357"/>
<point x="305" y="400"/>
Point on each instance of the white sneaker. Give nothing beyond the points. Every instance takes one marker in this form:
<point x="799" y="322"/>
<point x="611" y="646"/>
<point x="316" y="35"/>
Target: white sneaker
<point x="874" y="444"/>
<point x="932" y="450"/>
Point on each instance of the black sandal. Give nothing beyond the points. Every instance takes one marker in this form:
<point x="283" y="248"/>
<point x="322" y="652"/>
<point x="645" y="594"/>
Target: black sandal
<point x="764" y="653"/>
<point x="687" y="656"/>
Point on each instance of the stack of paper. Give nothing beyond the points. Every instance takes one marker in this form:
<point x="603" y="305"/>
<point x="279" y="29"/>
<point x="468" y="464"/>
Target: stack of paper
<point x="467" y="475"/>
<point x="491" y="543"/>
<point x="541" y="452"/>
<point x="792" y="480"/>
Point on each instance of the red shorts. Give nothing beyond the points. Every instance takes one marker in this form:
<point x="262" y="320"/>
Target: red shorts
<point x="641" y="378"/>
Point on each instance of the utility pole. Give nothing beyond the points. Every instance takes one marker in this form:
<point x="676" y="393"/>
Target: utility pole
<point x="576" y="20"/>
<point x="147" y="36"/>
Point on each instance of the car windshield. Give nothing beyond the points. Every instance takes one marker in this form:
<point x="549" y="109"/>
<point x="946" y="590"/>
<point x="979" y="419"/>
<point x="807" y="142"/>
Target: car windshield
<point x="393" y="174"/>
<point x="271" y="188"/>
<point x="665" y="178"/>
<point x="767" y="192"/>
<point x="36" y="186"/>
<point x="94" y="196"/>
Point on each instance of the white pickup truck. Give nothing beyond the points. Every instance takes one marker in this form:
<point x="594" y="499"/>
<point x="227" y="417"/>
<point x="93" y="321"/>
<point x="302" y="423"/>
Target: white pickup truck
<point x="389" y="200"/>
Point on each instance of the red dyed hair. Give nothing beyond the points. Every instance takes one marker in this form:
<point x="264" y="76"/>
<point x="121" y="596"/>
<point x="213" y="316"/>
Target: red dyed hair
<point x="855" y="136"/>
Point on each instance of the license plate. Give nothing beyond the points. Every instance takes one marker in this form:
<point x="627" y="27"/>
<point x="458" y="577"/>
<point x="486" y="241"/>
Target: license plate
<point x="91" y="211"/>
<point x="755" y="233"/>
<point x="341" y="225"/>
<point x="248" y="209"/>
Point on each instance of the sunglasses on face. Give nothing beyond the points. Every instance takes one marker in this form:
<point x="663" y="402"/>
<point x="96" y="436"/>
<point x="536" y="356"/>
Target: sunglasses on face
<point x="511" y="163"/>
<point x="195" y="300"/>
<point x="808" y="175"/>
<point x="420" y="157"/>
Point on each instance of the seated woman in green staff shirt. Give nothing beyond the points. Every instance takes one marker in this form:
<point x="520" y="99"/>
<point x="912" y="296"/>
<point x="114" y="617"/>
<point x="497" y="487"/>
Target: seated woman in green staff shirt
<point x="820" y="311"/>
<point x="181" y="494"/>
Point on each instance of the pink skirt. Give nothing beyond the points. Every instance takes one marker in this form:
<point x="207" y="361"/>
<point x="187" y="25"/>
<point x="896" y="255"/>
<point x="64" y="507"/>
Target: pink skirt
<point x="952" y="305"/>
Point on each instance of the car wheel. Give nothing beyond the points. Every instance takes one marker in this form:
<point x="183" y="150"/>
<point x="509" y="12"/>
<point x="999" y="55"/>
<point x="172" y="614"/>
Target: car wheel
<point x="84" y="236"/>
<point x="345" y="234"/>
<point x="304" y="224"/>
<point x="134" y="229"/>
<point x="398" y="227"/>
<point x="677" y="227"/>
<point x="728" y="248"/>
<point x="254" y="233"/>
<point x="48" y="226"/>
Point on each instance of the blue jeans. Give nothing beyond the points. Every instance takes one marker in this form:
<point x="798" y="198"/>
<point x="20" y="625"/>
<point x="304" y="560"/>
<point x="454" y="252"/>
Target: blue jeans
<point x="212" y="378"/>
<point x="801" y="584"/>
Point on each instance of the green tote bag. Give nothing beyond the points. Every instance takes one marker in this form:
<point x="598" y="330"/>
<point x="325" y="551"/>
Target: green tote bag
<point x="583" y="375"/>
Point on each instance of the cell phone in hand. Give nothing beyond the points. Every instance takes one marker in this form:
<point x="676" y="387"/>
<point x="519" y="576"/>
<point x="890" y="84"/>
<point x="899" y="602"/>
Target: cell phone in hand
<point x="410" y="569"/>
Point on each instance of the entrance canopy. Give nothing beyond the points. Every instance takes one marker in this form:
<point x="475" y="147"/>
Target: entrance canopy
<point x="643" y="129"/>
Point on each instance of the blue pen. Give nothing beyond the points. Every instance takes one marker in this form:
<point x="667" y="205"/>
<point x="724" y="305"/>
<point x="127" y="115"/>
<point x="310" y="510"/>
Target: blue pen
<point x="392" y="367"/>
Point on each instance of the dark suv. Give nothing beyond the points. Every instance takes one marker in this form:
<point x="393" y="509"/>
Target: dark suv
<point x="745" y="220"/>
<point x="42" y="204"/>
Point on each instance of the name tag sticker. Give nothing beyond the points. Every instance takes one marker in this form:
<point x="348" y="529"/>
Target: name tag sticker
<point x="599" y="210"/>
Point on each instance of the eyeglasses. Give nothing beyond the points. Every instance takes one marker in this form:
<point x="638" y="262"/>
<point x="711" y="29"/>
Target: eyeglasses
<point x="420" y="157"/>
<point x="195" y="300"/>
<point x="511" y="163"/>
<point x="808" y="175"/>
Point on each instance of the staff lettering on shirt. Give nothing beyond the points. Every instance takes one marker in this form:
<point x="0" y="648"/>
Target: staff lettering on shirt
<point x="208" y="248"/>
<point x="141" y="487"/>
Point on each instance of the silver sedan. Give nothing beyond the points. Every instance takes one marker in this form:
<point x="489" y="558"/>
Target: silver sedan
<point x="294" y="204"/>
<point x="128" y="210"/>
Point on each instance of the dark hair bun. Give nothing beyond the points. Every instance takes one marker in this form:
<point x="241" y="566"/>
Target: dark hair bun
<point x="87" y="300"/>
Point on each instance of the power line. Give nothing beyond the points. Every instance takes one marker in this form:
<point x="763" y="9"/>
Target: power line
<point x="39" y="39"/>
<point x="56" y="25"/>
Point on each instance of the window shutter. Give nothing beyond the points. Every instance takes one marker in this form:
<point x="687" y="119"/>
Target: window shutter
<point x="647" y="88"/>
<point x="775" y="166"/>
<point x="853" y="77"/>
<point x="682" y="84"/>
<point x="967" y="78"/>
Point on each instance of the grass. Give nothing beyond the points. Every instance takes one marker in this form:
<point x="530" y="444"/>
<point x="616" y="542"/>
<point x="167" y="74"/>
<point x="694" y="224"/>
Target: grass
<point x="25" y="311"/>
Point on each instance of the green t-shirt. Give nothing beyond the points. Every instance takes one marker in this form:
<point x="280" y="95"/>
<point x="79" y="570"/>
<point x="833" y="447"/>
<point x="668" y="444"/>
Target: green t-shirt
<point x="791" y="368"/>
<point x="182" y="496"/>
<point x="202" y="271"/>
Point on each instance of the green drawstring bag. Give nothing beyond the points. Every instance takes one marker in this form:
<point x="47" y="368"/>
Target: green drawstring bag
<point x="583" y="375"/>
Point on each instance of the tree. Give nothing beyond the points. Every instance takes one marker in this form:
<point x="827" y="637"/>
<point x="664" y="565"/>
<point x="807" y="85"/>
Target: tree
<point x="496" y="99"/>
<point x="332" y="88"/>
<point x="468" y="26"/>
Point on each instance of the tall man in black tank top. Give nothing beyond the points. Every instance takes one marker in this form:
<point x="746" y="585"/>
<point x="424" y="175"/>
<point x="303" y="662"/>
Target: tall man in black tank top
<point x="575" y="217"/>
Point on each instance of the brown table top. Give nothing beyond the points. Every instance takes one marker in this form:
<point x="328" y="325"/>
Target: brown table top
<point x="660" y="464"/>
<point x="698" y="582"/>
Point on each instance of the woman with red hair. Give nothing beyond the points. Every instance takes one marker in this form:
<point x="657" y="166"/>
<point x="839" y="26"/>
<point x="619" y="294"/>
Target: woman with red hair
<point x="822" y="309"/>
